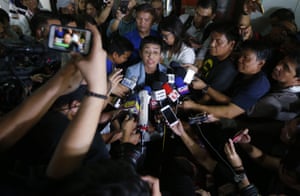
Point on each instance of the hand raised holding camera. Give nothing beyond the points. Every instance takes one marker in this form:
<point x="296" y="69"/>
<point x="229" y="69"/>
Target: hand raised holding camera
<point x="93" y="66"/>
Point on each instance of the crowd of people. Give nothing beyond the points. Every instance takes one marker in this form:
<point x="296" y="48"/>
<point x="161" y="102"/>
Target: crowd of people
<point x="93" y="125"/>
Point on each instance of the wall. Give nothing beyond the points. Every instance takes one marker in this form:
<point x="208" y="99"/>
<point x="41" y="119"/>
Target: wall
<point x="260" y="22"/>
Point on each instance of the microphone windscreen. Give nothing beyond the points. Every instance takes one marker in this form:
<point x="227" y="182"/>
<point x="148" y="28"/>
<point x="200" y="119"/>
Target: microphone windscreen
<point x="174" y="64"/>
<point x="179" y="82"/>
<point x="148" y="89"/>
<point x="163" y="77"/>
<point x="167" y="88"/>
<point x="180" y="72"/>
<point x="156" y="85"/>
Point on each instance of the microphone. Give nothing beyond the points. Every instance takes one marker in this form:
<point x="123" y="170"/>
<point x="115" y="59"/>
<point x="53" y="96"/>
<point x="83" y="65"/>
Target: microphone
<point x="174" y="64"/>
<point x="182" y="88"/>
<point x="163" y="77"/>
<point x="189" y="76"/>
<point x="144" y="99"/>
<point x="171" y="78"/>
<point x="132" y="105"/>
<point x="171" y="93"/>
<point x="143" y="119"/>
<point x="180" y="72"/>
<point x="129" y="82"/>
<point x="158" y="94"/>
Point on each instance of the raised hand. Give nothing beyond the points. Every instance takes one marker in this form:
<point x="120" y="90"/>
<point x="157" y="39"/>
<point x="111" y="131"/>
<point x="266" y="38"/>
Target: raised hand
<point x="178" y="128"/>
<point x="93" y="66"/>
<point x="231" y="154"/>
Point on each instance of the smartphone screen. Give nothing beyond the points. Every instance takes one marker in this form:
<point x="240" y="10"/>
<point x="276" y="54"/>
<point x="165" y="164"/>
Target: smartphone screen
<point x="169" y="115"/>
<point x="68" y="39"/>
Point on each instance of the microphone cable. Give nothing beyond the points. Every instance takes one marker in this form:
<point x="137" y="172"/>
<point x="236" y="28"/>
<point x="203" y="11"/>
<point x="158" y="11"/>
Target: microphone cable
<point x="214" y="150"/>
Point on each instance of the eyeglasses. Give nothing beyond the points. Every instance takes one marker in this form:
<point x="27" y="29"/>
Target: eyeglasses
<point x="150" y="52"/>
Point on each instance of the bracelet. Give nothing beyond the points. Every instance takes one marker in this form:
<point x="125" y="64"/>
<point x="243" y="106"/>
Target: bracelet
<point x="92" y="94"/>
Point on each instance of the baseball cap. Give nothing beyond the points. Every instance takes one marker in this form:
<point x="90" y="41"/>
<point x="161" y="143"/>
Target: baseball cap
<point x="63" y="3"/>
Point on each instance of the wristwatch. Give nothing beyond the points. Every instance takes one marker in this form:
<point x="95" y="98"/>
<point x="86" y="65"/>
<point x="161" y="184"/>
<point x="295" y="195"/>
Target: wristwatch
<point x="239" y="177"/>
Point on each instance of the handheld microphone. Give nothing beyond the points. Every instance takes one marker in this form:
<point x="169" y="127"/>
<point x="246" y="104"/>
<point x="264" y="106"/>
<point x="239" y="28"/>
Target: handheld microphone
<point x="189" y="76"/>
<point x="158" y="93"/>
<point x="144" y="98"/>
<point x="180" y="72"/>
<point x="174" y="64"/>
<point x="132" y="105"/>
<point x="171" y="93"/>
<point x="182" y="88"/>
<point x="130" y="82"/>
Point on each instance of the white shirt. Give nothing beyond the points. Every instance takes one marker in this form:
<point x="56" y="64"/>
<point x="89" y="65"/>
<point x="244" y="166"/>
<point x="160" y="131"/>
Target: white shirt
<point x="186" y="55"/>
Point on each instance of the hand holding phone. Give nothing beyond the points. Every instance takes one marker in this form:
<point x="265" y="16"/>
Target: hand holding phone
<point x="67" y="39"/>
<point x="124" y="6"/>
<point x="169" y="115"/>
<point x="241" y="136"/>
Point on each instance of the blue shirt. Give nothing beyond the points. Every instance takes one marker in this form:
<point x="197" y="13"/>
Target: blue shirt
<point x="109" y="66"/>
<point x="246" y="92"/>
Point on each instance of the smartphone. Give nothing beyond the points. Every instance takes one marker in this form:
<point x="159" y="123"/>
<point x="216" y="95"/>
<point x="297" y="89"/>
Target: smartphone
<point x="198" y="119"/>
<point x="67" y="39"/>
<point x="169" y="115"/>
<point x="237" y="137"/>
<point x="124" y="6"/>
<point x="189" y="76"/>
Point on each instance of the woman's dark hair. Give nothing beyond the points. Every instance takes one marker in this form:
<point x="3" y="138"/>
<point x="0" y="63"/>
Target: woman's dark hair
<point x="150" y="40"/>
<point x="118" y="44"/>
<point x="174" y="25"/>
